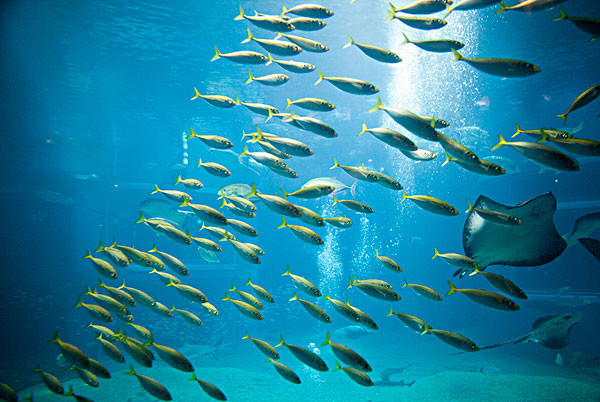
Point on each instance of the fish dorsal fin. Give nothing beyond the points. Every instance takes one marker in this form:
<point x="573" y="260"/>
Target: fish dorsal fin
<point x="541" y="321"/>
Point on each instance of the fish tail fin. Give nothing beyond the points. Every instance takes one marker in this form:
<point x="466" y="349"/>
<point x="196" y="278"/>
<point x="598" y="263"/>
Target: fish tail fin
<point x="250" y="37"/>
<point x="503" y="8"/>
<point x="100" y="283"/>
<point x="404" y="196"/>
<point x="178" y="180"/>
<point x="259" y="135"/>
<point x="100" y="247"/>
<point x="156" y="189"/>
<point x="406" y="40"/>
<point x="501" y="142"/>
<point x="544" y="136"/>
<point x="79" y="302"/>
<point x="376" y="253"/>
<point x="289" y="103"/>
<point x="378" y="106"/>
<point x="281" y="341"/>
<point x="335" y="200"/>
<point x="55" y="339"/>
<point x="226" y="236"/>
<point x="193" y="377"/>
<point x="351" y="283"/>
<point x="185" y="203"/>
<point x="244" y="152"/>
<point x="131" y="371"/>
<point x="142" y="219"/>
<point x="253" y="191"/>
<point x="519" y="131"/>
<point x="37" y="368"/>
<point x="391" y="15"/>
<point x="337" y="366"/>
<point x="88" y="254"/>
<point x="171" y="283"/>
<point x="457" y="56"/>
<point x="241" y="15"/>
<point x="453" y="289"/>
<point x="436" y="254"/>
<point x="271" y="60"/>
<point x="426" y="330"/>
<point x="335" y="164"/>
<point x="270" y="116"/>
<point x="221" y="206"/>
<point x="285" y="195"/>
<point x="391" y="311"/>
<point x="154" y="271"/>
<point x="233" y="288"/>
<point x="249" y="283"/>
<point x="321" y="76"/>
<point x="327" y="340"/>
<point x="250" y="78"/>
<point x="470" y="207"/>
<point x="353" y="188"/>
<point x="363" y="130"/>
<point x="247" y="336"/>
<point x="350" y="42"/>
<point x="217" y="54"/>
<point x="405" y="283"/>
<point x="287" y="271"/>
<point x="70" y="391"/>
<point x="475" y="272"/>
<point x="295" y="297"/>
<point x="326" y="297"/>
<point x="563" y="116"/>
<point x="238" y="101"/>
<point x="450" y="9"/>
<point x="197" y="95"/>
<point x="283" y="11"/>
<point x="192" y="134"/>
<point x="226" y="297"/>
<point x="448" y="159"/>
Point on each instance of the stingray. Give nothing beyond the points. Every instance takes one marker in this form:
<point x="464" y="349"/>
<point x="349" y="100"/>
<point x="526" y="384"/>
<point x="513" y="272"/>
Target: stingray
<point x="550" y="331"/>
<point x="534" y="242"/>
<point x="385" y="378"/>
<point x="153" y="208"/>
<point x="592" y="245"/>
<point x="584" y="227"/>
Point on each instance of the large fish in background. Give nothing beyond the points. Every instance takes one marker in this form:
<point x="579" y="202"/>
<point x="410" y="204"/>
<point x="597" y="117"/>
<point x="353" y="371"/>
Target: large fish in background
<point x="534" y="242"/>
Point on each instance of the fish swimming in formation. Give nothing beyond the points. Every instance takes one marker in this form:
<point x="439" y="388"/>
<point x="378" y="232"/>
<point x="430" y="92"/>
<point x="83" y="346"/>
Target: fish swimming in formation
<point x="375" y="52"/>
<point x="410" y="121"/>
<point x="355" y="375"/>
<point x="528" y="6"/>
<point x="151" y="386"/>
<point x="485" y="297"/>
<point x="586" y="97"/>
<point x="500" y="67"/>
<point x="285" y="372"/>
<point x="216" y="100"/>
<point x="391" y="137"/>
<point x="431" y="204"/>
<point x="309" y="10"/>
<point x="435" y="45"/>
<point x="347" y="355"/>
<point x="211" y="390"/>
<point x="541" y="154"/>
<point x="424" y="291"/>
<point x="349" y="85"/>
<point x="410" y="321"/>
<point x="388" y="262"/>
<point x="423" y="23"/>
<point x="291" y="66"/>
<point x="277" y="47"/>
<point x="270" y="23"/>
<point x="263" y="346"/>
<point x="588" y="25"/>
<point x="470" y="5"/>
<point x="423" y="7"/>
<point x="306" y="44"/>
<point x="312" y="309"/>
<point x="452" y="339"/>
<point x="306" y="356"/>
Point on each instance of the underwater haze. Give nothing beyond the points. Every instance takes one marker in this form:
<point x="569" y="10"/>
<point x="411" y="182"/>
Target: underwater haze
<point x="107" y="103"/>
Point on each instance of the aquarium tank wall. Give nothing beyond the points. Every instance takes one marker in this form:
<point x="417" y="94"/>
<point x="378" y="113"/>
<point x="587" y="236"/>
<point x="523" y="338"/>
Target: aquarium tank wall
<point x="341" y="201"/>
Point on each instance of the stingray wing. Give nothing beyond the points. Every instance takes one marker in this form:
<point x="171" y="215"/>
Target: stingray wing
<point x="535" y="242"/>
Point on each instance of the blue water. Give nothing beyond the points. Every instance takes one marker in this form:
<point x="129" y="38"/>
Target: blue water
<point x="96" y="106"/>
